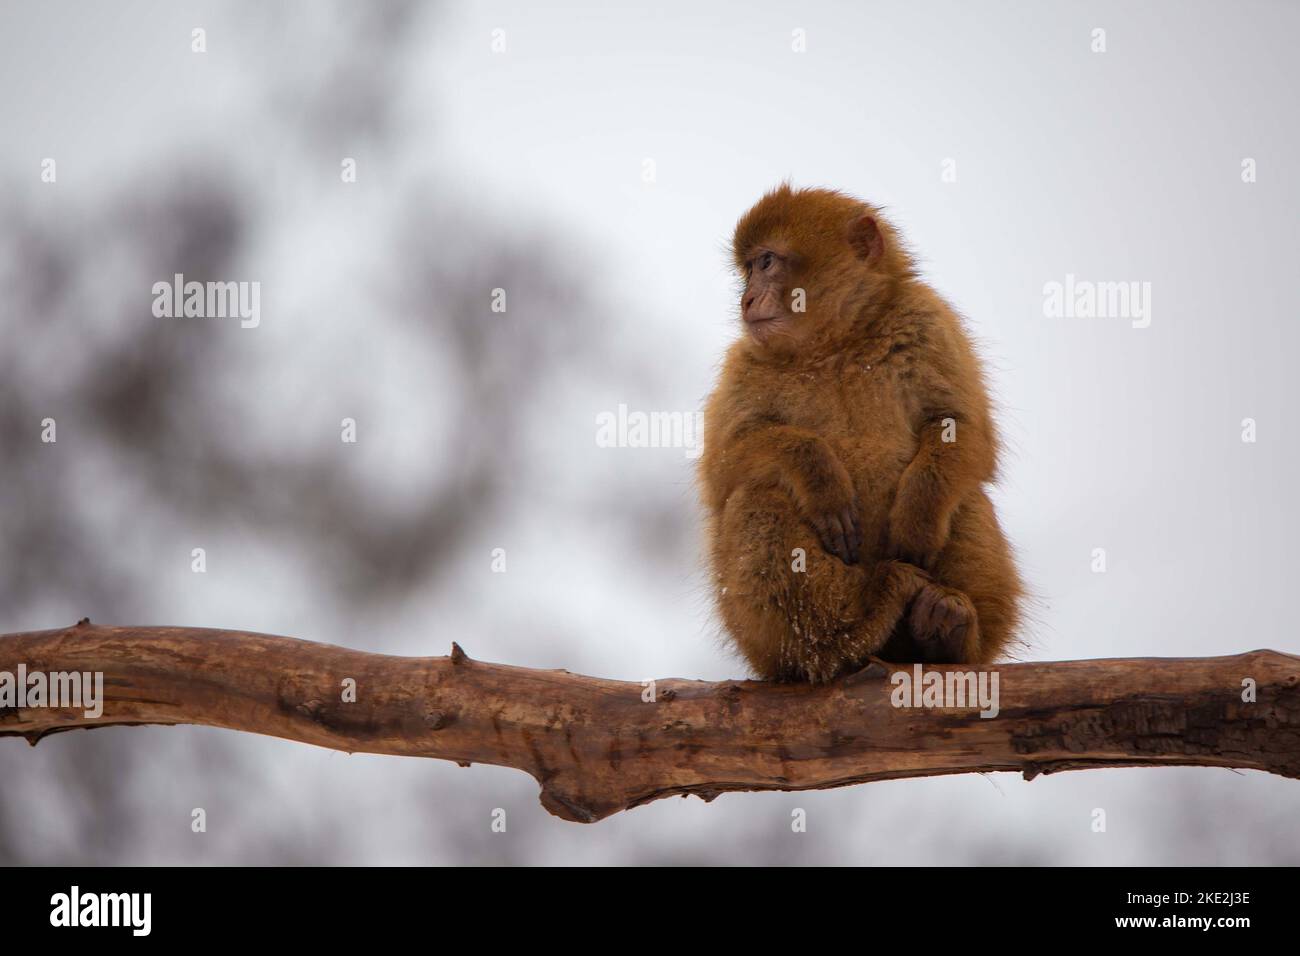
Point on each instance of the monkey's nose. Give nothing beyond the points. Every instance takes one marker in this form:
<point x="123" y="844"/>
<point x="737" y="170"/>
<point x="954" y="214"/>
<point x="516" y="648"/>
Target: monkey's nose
<point x="748" y="300"/>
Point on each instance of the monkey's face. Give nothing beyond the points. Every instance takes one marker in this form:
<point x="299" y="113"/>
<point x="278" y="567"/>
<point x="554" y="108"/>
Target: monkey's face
<point x="794" y="295"/>
<point x="766" y="305"/>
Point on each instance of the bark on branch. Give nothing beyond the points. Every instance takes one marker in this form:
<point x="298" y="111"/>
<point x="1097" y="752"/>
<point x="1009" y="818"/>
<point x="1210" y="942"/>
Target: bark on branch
<point x="597" y="747"/>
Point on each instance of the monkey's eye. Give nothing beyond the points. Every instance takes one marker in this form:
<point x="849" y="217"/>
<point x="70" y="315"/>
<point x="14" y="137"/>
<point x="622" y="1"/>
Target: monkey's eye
<point x="765" y="261"/>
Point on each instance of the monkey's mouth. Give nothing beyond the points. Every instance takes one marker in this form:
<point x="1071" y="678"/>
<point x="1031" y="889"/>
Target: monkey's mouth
<point x="764" y="327"/>
<point x="764" y="330"/>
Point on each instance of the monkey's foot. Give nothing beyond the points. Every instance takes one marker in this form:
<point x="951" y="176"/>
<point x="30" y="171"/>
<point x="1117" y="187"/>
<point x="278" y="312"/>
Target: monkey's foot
<point x="943" y="625"/>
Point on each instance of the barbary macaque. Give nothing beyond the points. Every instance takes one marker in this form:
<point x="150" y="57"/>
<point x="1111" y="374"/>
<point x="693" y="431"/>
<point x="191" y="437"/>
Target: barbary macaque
<point x="846" y="450"/>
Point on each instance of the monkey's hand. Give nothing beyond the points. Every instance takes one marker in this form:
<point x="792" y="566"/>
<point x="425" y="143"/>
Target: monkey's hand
<point x="803" y="464"/>
<point x="833" y="513"/>
<point x="917" y="530"/>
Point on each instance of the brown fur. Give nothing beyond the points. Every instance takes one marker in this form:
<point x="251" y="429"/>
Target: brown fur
<point x="825" y="433"/>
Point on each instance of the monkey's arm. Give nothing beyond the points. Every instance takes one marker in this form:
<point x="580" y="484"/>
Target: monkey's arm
<point x="797" y="460"/>
<point x="956" y="453"/>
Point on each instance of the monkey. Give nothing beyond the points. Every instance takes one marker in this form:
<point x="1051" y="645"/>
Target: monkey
<point x="847" y="447"/>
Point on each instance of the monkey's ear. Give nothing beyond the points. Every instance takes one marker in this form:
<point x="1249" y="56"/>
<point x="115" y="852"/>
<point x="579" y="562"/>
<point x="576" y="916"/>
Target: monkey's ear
<point x="866" y="239"/>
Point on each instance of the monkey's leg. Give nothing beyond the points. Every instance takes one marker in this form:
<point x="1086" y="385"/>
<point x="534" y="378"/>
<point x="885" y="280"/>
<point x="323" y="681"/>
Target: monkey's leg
<point x="970" y="614"/>
<point x="794" y="611"/>
<point x="892" y="588"/>
<point x="943" y="626"/>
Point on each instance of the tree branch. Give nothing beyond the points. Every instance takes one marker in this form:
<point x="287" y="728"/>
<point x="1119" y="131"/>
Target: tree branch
<point x="597" y="747"/>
